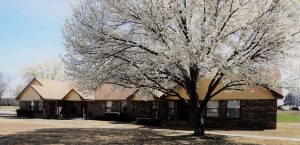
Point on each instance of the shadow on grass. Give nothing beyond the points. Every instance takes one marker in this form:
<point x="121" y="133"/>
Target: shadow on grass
<point x="106" y="136"/>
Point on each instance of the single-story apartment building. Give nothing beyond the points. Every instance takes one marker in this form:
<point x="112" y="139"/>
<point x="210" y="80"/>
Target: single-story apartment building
<point x="254" y="107"/>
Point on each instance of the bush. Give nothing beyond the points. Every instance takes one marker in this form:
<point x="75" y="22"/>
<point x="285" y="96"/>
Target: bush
<point x="115" y="116"/>
<point x="24" y="113"/>
<point x="148" y="121"/>
<point x="124" y="117"/>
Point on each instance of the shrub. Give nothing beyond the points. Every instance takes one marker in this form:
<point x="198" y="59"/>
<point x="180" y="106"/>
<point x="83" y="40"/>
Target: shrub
<point x="148" y="121"/>
<point x="115" y="116"/>
<point x="24" y="113"/>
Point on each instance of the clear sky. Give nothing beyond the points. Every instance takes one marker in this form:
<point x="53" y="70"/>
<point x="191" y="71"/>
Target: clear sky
<point x="30" y="32"/>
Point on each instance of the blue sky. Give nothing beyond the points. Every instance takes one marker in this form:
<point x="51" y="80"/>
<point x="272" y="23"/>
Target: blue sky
<point x="30" y="32"/>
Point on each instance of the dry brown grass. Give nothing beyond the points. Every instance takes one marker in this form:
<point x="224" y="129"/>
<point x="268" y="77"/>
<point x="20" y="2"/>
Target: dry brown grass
<point x="13" y="125"/>
<point x="262" y="141"/>
<point x="47" y="131"/>
<point x="291" y="130"/>
<point x="9" y="108"/>
<point x="108" y="136"/>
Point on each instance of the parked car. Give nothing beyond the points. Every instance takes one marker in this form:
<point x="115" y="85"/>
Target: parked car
<point x="294" y="107"/>
<point x="285" y="108"/>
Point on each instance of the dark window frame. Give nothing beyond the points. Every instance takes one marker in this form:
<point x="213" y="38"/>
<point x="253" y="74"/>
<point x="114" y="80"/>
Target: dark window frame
<point x="171" y="116"/>
<point x="154" y="108"/>
<point x="233" y="108"/>
<point x="211" y="108"/>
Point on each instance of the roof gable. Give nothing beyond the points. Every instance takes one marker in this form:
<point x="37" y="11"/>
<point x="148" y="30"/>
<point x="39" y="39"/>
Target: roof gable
<point x="73" y="96"/>
<point x="57" y="90"/>
<point x="113" y="92"/>
<point x="250" y="92"/>
<point x="34" y="81"/>
<point x="29" y="94"/>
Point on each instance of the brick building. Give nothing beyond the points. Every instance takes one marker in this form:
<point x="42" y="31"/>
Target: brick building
<point x="252" y="108"/>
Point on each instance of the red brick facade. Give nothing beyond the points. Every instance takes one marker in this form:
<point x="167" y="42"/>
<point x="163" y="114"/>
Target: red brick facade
<point x="254" y="114"/>
<point x="24" y="105"/>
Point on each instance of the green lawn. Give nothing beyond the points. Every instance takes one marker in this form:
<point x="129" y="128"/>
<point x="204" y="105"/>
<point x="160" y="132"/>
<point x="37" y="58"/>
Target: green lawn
<point x="288" y="117"/>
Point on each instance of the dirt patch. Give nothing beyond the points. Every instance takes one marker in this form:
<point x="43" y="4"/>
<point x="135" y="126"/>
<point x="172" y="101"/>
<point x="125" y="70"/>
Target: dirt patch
<point x="13" y="125"/>
<point x="291" y="112"/>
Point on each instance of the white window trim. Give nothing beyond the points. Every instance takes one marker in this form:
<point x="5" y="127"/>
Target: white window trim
<point x="108" y="106"/>
<point x="234" y="107"/>
<point x="211" y="108"/>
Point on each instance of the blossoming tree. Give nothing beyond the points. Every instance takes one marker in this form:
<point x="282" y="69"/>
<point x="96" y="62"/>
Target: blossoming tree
<point x="165" y="44"/>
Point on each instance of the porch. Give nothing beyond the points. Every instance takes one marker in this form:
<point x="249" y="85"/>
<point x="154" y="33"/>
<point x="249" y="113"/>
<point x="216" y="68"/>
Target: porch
<point x="52" y="109"/>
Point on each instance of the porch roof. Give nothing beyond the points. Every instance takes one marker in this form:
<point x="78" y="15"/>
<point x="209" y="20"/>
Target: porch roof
<point x="113" y="92"/>
<point x="58" y="90"/>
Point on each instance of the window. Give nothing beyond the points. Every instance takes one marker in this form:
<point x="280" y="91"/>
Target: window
<point x="108" y="106"/>
<point x="32" y="105"/>
<point x="124" y="105"/>
<point x="212" y="109"/>
<point x="40" y="105"/>
<point x="233" y="109"/>
<point x="154" y="109"/>
<point x="171" y="110"/>
<point x="154" y="105"/>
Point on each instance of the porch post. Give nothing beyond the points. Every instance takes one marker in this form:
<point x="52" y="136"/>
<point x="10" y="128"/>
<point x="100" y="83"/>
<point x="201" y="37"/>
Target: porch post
<point x="56" y="108"/>
<point x="44" y="110"/>
<point x="83" y="112"/>
<point x="156" y="111"/>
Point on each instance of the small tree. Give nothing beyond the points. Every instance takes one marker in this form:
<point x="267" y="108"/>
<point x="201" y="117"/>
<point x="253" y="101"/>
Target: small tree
<point x="159" y="44"/>
<point x="4" y="81"/>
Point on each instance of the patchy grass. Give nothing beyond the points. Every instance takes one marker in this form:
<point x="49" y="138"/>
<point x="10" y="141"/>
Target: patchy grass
<point x="288" y="117"/>
<point x="109" y="136"/>
<point x="15" y="130"/>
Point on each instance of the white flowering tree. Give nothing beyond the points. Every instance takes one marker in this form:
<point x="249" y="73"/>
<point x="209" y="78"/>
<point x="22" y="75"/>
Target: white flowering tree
<point x="160" y="44"/>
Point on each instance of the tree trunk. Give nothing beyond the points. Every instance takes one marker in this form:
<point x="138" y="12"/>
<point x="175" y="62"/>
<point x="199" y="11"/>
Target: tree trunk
<point x="198" y="123"/>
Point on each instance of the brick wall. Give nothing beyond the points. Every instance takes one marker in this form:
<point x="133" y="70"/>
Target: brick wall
<point x="116" y="106"/>
<point x="162" y="112"/>
<point x="141" y="109"/>
<point x="259" y="113"/>
<point x="24" y="105"/>
<point x="95" y="109"/>
<point x="254" y="114"/>
<point x="50" y="107"/>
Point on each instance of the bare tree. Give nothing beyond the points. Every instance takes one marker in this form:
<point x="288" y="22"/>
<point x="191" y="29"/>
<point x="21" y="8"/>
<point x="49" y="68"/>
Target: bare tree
<point x="165" y="44"/>
<point x="4" y="81"/>
<point x="49" y="69"/>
